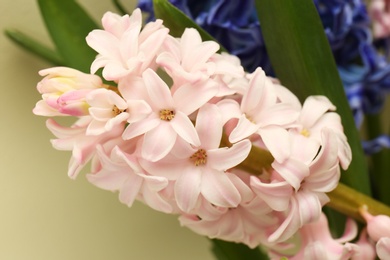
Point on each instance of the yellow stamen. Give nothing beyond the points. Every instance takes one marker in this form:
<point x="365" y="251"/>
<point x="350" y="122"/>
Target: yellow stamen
<point x="199" y="157"/>
<point x="305" y="132"/>
<point x="117" y="111"/>
<point x="167" y="114"/>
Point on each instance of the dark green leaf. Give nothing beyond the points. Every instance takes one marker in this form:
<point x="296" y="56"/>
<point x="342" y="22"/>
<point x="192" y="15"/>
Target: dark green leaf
<point x="120" y="7"/>
<point x="34" y="46"/>
<point x="68" y="25"/>
<point x="177" y="21"/>
<point x="303" y="61"/>
<point x="233" y="251"/>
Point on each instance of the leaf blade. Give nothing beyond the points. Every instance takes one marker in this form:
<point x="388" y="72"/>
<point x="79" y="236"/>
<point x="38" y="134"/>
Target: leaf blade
<point x="68" y="25"/>
<point x="34" y="46"/>
<point x="177" y="21"/>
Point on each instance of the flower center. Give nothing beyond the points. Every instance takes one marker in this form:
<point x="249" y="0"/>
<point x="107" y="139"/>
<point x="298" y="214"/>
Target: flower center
<point x="117" y="111"/>
<point x="199" y="157"/>
<point x="305" y="132"/>
<point x="167" y="114"/>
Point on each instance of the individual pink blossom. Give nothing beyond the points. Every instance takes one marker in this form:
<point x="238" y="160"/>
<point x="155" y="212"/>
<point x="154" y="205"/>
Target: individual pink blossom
<point x="377" y="226"/>
<point x="316" y="242"/>
<point x="379" y="11"/>
<point x="315" y="115"/>
<point x="63" y="92"/>
<point x="229" y="74"/>
<point x="200" y="170"/>
<point x="169" y="118"/>
<point x="260" y="113"/>
<point x="297" y="189"/>
<point x="187" y="59"/>
<point x="74" y="139"/>
<point x="121" y="172"/>
<point x="124" y="49"/>
<point x="108" y="109"/>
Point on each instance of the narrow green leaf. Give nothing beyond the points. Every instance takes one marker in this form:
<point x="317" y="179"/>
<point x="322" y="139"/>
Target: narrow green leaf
<point x="68" y="25"/>
<point x="120" y="7"/>
<point x="380" y="161"/>
<point x="177" y="21"/>
<point x="34" y="46"/>
<point x="303" y="61"/>
<point x="232" y="251"/>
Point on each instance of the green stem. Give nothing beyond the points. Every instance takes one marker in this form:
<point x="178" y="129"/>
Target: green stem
<point x="348" y="201"/>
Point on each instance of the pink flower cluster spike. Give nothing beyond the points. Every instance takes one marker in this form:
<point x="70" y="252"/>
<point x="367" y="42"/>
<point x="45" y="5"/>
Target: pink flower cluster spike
<point x="174" y="124"/>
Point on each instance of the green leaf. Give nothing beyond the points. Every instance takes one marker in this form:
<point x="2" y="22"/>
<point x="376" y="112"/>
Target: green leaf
<point x="120" y="7"/>
<point x="34" y="46"/>
<point x="68" y="25"/>
<point x="303" y="61"/>
<point x="177" y="21"/>
<point x="233" y="251"/>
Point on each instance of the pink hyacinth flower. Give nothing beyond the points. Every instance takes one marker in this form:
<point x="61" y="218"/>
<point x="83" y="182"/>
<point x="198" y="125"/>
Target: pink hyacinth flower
<point x="318" y="244"/>
<point x="121" y="172"/>
<point x="260" y="113"/>
<point x="377" y="226"/>
<point x="200" y="170"/>
<point x="123" y="47"/>
<point x="63" y="92"/>
<point x="187" y="59"/>
<point x="169" y="118"/>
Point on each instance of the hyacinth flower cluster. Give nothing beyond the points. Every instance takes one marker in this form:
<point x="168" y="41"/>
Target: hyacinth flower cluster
<point x="363" y="68"/>
<point x="187" y="131"/>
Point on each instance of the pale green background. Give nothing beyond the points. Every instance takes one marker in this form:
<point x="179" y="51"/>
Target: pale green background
<point x="43" y="214"/>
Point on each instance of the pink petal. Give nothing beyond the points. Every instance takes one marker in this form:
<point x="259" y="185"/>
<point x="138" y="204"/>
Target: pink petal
<point x="277" y="194"/>
<point x="292" y="171"/>
<point x="255" y="91"/>
<point x="155" y="201"/>
<point x="244" y="129"/>
<point x="152" y="45"/>
<point x="158" y="90"/>
<point x="383" y="248"/>
<point x="350" y="231"/>
<point x="229" y="109"/>
<point x="138" y="110"/>
<point x="277" y="140"/>
<point x="187" y="189"/>
<point x="184" y="128"/>
<point x="313" y="108"/>
<point x="244" y="190"/>
<point x="309" y="207"/>
<point x="130" y="190"/>
<point x="218" y="189"/>
<point x="289" y="226"/>
<point x="225" y="158"/>
<point x="191" y="97"/>
<point x="104" y="43"/>
<point x="279" y="114"/>
<point x="140" y="127"/>
<point x="209" y="126"/>
<point x="158" y="142"/>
